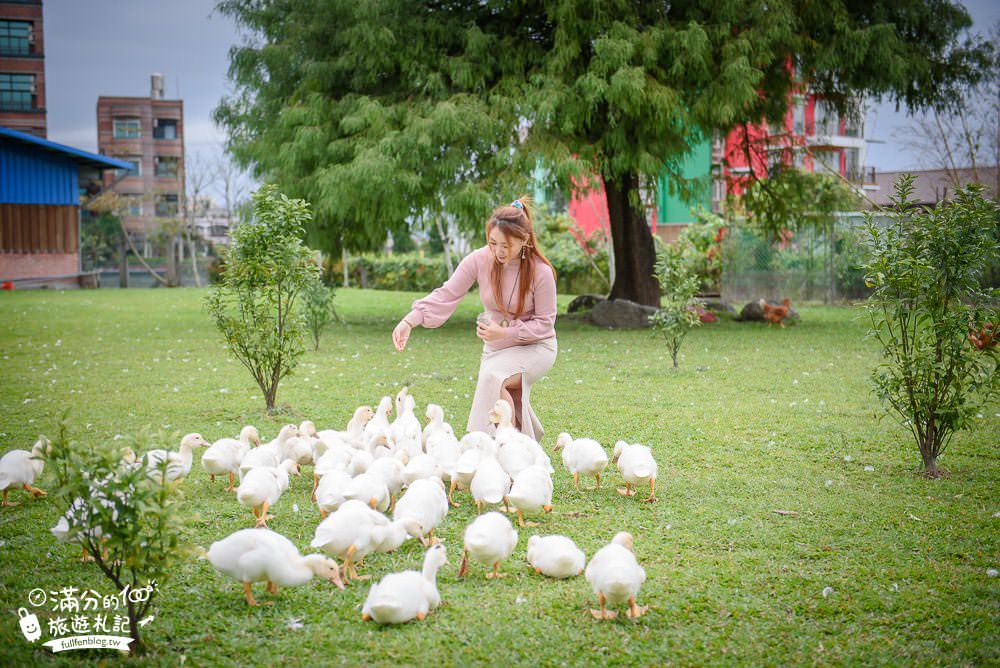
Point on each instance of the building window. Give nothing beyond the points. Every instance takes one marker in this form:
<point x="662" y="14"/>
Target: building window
<point x="826" y="119"/>
<point x="17" y="92"/>
<point x="127" y="128"/>
<point x="165" y="128"/>
<point x="134" y="170"/>
<point x="799" y="116"/>
<point x="133" y="205"/>
<point x="165" y="166"/>
<point x="852" y="167"/>
<point x="16" y="38"/>
<point x="166" y="205"/>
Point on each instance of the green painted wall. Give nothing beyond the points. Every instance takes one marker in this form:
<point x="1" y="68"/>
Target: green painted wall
<point x="671" y="208"/>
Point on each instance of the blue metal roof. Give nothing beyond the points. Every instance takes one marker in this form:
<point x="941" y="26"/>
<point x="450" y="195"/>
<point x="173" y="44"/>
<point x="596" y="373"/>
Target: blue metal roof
<point x="75" y="154"/>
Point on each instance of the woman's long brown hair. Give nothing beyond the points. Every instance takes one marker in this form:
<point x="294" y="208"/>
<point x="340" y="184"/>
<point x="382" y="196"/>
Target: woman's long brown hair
<point x="513" y="221"/>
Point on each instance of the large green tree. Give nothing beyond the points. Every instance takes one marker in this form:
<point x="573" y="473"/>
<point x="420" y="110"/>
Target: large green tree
<point x="377" y="111"/>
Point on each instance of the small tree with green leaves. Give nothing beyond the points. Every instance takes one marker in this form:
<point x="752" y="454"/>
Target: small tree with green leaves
<point x="126" y="521"/>
<point x="926" y="274"/>
<point x="318" y="309"/>
<point x="679" y="285"/>
<point x="266" y="269"/>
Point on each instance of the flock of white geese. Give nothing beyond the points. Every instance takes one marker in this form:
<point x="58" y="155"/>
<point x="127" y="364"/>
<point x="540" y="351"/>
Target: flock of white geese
<point x="377" y="466"/>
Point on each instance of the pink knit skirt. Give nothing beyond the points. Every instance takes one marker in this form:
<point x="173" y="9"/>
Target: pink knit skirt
<point x="532" y="361"/>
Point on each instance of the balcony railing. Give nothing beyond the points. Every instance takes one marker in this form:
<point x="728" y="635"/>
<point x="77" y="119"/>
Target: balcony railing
<point x="862" y="176"/>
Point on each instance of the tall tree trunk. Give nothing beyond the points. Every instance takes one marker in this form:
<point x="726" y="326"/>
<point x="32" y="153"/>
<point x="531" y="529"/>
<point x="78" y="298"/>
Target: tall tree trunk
<point x="445" y="244"/>
<point x="123" y="259"/>
<point x="634" y="252"/>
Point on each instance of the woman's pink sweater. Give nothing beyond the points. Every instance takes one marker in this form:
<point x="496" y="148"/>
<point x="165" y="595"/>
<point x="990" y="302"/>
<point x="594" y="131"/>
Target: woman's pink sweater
<point x="535" y="323"/>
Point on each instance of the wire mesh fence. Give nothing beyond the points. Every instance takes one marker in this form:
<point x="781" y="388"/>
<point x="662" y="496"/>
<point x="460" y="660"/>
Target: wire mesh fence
<point x="818" y="264"/>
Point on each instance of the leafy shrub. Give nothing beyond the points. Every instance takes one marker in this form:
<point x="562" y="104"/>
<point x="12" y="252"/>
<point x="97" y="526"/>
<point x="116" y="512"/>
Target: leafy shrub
<point x="127" y="521"/>
<point x="678" y="285"/>
<point x="926" y="274"/>
<point x="267" y="267"/>
<point x="317" y="309"/>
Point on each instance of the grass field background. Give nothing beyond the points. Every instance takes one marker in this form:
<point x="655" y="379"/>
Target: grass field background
<point x="757" y="419"/>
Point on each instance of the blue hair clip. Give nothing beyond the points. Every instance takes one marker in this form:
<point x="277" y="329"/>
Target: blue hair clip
<point x="517" y="203"/>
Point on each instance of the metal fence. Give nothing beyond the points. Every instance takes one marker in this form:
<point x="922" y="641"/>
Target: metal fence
<point x="815" y="264"/>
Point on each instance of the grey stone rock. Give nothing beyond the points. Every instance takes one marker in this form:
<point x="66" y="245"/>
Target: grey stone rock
<point x="621" y="314"/>
<point x="584" y="303"/>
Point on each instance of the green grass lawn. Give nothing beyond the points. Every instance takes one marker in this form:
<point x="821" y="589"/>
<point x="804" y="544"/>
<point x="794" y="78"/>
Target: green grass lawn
<point x="755" y="420"/>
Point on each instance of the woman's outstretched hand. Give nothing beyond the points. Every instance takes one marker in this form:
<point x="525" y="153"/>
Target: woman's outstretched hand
<point x="401" y="335"/>
<point x="489" y="332"/>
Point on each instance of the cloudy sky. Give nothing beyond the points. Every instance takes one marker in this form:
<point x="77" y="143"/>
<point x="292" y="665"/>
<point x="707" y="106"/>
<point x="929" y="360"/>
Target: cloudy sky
<point x="110" y="47"/>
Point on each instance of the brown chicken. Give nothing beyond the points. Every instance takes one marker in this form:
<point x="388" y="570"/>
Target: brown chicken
<point x="985" y="338"/>
<point x="775" y="315"/>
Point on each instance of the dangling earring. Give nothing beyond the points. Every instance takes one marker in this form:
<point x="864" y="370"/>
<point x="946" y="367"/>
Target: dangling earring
<point x="522" y="252"/>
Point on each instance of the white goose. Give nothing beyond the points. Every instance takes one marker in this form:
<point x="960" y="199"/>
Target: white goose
<point x="616" y="577"/>
<point x="261" y="555"/>
<point x="20" y="468"/>
<point x="400" y="597"/>
<point x="405" y="431"/>
<point x="262" y="486"/>
<point x="489" y="540"/>
<point x="421" y="466"/>
<point x="521" y="444"/>
<point x="491" y="483"/>
<point x="178" y="463"/>
<point x="336" y="458"/>
<point x="531" y="492"/>
<point x="390" y="470"/>
<point x="225" y="455"/>
<point x="555" y="556"/>
<point x="379" y="424"/>
<point x="582" y="456"/>
<point x="444" y="448"/>
<point x="348" y="534"/>
<point x="329" y="493"/>
<point x="370" y="489"/>
<point x="354" y="435"/>
<point x="426" y="502"/>
<point x="435" y="423"/>
<point x="270" y="453"/>
<point x="465" y="470"/>
<point x="637" y="466"/>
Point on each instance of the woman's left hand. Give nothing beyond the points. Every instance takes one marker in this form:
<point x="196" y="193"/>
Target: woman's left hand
<point x="490" y="332"/>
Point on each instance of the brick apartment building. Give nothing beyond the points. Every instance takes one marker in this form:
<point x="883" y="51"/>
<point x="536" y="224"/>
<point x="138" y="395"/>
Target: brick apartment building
<point x="148" y="133"/>
<point x="22" y="67"/>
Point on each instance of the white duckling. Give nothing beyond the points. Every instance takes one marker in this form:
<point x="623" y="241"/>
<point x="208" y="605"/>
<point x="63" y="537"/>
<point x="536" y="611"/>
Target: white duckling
<point x="336" y="458"/>
<point x="391" y="536"/>
<point x="421" y="466"/>
<point x="390" y="470"/>
<point x="20" y="468"/>
<point x="475" y="440"/>
<point x="531" y="492"/>
<point x="360" y="461"/>
<point x="178" y="462"/>
<point x="354" y="435"/>
<point x="435" y="423"/>
<point x="426" y="502"/>
<point x="347" y="534"/>
<point x="370" y="489"/>
<point x="225" y="455"/>
<point x="491" y="483"/>
<point x="489" y="539"/>
<point x="262" y="486"/>
<point x="465" y="470"/>
<point x="523" y="450"/>
<point x="270" y="453"/>
<point x="262" y="555"/>
<point x="582" y="456"/>
<point x="616" y="577"/>
<point x="379" y="424"/>
<point x="400" y="597"/>
<point x="555" y="556"/>
<point x="406" y="428"/>
<point x="330" y="491"/>
<point x="637" y="466"/>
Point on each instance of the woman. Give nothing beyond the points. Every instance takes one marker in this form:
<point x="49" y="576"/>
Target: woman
<point x="517" y="286"/>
